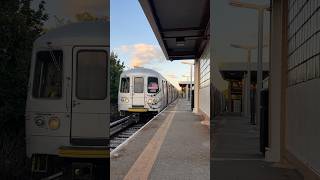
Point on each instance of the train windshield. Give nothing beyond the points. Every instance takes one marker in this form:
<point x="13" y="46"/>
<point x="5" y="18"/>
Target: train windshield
<point x="91" y="74"/>
<point x="47" y="80"/>
<point x="138" y="84"/>
<point x="153" y="85"/>
<point x="125" y="85"/>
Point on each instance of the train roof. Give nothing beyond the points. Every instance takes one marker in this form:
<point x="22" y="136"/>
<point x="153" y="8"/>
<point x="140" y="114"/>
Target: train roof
<point x="81" y="33"/>
<point x="140" y="70"/>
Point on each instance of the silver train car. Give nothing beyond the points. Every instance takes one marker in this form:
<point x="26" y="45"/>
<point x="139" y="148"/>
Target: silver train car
<point x="143" y="90"/>
<point x="67" y="110"/>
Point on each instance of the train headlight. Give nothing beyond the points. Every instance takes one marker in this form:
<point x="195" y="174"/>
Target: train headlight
<point x="39" y="121"/>
<point x="155" y="100"/>
<point x="150" y="101"/>
<point x="54" y="123"/>
<point x="124" y="99"/>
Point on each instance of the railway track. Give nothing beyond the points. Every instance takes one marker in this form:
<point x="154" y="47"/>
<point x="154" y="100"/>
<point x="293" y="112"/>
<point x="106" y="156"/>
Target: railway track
<point x="116" y="140"/>
<point x="122" y="129"/>
<point x="119" y="125"/>
<point x="57" y="176"/>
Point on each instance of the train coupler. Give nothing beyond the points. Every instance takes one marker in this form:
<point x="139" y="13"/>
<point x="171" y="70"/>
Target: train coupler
<point x="136" y="117"/>
<point x="39" y="163"/>
<point x="82" y="171"/>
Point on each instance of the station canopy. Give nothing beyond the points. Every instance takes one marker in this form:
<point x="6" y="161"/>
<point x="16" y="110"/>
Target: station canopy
<point x="236" y="70"/>
<point x="180" y="26"/>
<point x="185" y="83"/>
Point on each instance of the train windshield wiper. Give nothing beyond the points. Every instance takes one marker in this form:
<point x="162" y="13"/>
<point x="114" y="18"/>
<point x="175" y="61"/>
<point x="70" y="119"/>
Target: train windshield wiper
<point x="53" y="58"/>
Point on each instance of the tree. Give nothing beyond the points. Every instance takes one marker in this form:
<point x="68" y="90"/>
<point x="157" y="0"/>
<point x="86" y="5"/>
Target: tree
<point x="19" y="27"/>
<point x="116" y="68"/>
<point x="85" y="16"/>
<point x="80" y="17"/>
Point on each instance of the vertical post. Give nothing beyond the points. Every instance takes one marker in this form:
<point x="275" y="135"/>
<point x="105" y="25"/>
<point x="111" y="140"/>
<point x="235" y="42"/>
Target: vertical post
<point x="248" y="84"/>
<point x="244" y="95"/>
<point x="190" y="82"/>
<point x="259" y="68"/>
<point x="196" y="86"/>
<point x="187" y="90"/>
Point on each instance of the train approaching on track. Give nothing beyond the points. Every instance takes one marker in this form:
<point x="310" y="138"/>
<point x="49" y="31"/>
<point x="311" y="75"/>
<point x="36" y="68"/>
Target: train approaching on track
<point x="143" y="90"/>
<point x="67" y="112"/>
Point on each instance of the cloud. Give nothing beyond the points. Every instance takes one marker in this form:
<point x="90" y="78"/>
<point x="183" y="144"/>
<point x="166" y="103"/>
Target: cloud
<point x="173" y="76"/>
<point x="142" y="54"/>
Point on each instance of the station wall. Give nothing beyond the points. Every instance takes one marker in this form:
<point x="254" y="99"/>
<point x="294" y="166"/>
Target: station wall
<point x="219" y="84"/>
<point x="204" y="82"/>
<point x="304" y="122"/>
<point x="303" y="97"/>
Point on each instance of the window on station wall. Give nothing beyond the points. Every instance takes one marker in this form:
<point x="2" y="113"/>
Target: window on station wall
<point x="303" y="41"/>
<point x="138" y="85"/>
<point x="91" y="73"/>
<point x="153" y="86"/>
<point x="47" y="79"/>
<point x="125" y="85"/>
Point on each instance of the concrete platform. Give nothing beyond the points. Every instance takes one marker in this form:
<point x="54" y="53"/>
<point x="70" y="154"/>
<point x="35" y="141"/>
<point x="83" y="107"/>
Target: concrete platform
<point x="175" y="145"/>
<point x="235" y="153"/>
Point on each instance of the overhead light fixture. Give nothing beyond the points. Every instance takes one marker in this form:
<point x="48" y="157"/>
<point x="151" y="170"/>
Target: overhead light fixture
<point x="180" y="41"/>
<point x="237" y="3"/>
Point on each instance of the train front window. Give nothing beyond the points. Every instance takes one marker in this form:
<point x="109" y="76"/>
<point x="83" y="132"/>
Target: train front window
<point x="125" y="85"/>
<point x="153" y="86"/>
<point x="138" y="84"/>
<point x="47" y="80"/>
<point x="91" y="80"/>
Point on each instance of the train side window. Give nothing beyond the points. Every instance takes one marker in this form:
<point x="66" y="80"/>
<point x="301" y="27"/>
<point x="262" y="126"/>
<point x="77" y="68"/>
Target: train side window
<point x="153" y="86"/>
<point x="91" y="74"/>
<point x="47" y="79"/>
<point x="138" y="84"/>
<point x="125" y="85"/>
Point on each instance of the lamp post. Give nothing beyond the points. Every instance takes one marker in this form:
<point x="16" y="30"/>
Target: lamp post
<point x="190" y="90"/>
<point x="261" y="9"/>
<point x="248" y="48"/>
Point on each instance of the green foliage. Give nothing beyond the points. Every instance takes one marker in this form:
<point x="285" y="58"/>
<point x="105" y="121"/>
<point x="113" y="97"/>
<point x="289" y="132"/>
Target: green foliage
<point x="116" y="70"/>
<point x="19" y="27"/>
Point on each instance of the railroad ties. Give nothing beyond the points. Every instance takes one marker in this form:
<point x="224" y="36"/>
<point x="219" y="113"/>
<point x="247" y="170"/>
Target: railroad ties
<point x="124" y="128"/>
<point x="120" y="137"/>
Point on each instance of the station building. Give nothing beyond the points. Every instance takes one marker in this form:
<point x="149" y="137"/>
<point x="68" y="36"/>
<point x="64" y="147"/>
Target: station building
<point x="294" y="70"/>
<point x="185" y="89"/>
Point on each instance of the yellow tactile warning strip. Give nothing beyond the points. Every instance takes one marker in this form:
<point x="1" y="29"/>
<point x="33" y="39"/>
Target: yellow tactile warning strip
<point x="72" y="152"/>
<point x="137" y="110"/>
<point x="141" y="168"/>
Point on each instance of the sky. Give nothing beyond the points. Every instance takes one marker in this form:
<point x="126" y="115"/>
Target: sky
<point x="132" y="38"/>
<point x="238" y="26"/>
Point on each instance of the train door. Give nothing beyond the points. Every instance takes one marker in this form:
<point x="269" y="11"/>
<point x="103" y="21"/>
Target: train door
<point x="170" y="94"/>
<point x="89" y="121"/>
<point x="163" y="95"/>
<point x="138" y="91"/>
<point x="167" y="97"/>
